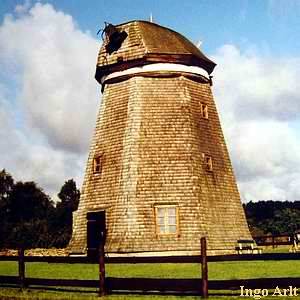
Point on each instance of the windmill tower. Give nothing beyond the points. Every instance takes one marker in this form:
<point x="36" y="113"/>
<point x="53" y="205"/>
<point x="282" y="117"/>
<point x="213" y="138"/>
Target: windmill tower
<point x="158" y="176"/>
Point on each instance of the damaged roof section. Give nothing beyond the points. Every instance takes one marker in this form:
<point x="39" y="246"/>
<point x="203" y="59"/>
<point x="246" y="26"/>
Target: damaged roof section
<point x="141" y="42"/>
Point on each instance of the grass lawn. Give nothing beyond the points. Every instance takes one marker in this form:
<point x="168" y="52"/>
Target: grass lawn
<point x="218" y="270"/>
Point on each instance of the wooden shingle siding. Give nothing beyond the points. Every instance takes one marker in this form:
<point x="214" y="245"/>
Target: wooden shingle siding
<point x="147" y="43"/>
<point x="151" y="135"/>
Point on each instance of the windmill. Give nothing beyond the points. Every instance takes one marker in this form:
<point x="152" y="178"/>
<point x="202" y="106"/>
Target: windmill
<point x="158" y="175"/>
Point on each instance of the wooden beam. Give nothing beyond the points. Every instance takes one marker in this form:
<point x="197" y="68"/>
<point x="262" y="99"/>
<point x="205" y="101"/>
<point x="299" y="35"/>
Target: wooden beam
<point x="21" y="268"/>
<point x="204" y="269"/>
<point x="102" y="286"/>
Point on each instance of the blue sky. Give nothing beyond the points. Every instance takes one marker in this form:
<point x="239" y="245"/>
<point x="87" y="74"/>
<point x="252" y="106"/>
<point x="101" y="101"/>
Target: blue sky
<point x="270" y="25"/>
<point x="49" y="48"/>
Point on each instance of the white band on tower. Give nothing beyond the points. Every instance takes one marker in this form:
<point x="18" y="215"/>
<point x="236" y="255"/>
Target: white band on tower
<point x="157" y="67"/>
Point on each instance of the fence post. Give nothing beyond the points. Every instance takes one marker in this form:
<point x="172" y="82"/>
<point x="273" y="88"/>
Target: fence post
<point x="102" y="287"/>
<point x="21" y="263"/>
<point x="204" y="268"/>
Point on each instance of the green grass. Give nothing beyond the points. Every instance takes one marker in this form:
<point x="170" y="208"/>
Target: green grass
<point x="219" y="270"/>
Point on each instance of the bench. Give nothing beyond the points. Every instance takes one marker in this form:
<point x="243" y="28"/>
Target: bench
<point x="247" y="247"/>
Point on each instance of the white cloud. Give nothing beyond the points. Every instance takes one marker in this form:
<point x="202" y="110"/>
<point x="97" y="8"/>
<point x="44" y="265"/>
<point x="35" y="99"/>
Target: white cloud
<point x="262" y="87"/>
<point x="43" y="53"/>
<point x="57" y="64"/>
<point x="23" y="8"/>
<point x="29" y="158"/>
<point x="258" y="98"/>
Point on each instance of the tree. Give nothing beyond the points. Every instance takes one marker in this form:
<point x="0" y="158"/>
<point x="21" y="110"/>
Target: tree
<point x="286" y="220"/>
<point x="6" y="186"/>
<point x="27" y="202"/>
<point x="28" y="217"/>
<point x="69" y="195"/>
<point x="29" y="210"/>
<point x="273" y="217"/>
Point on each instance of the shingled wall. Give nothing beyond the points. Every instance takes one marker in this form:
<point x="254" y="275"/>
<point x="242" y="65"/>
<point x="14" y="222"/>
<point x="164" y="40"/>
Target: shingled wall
<point x="152" y="137"/>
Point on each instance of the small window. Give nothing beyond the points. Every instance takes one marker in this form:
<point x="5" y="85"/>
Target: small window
<point x="97" y="166"/>
<point x="166" y="220"/>
<point x="208" y="163"/>
<point x="204" y="110"/>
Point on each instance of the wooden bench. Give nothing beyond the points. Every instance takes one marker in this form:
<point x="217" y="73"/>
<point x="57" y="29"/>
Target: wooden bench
<point x="247" y="247"/>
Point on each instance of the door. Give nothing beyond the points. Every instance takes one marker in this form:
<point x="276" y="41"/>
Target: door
<point x="96" y="231"/>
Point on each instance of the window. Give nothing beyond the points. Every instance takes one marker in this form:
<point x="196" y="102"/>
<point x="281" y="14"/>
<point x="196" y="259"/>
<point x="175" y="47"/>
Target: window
<point x="97" y="164"/>
<point x="207" y="162"/>
<point x="166" y="219"/>
<point x="204" y="110"/>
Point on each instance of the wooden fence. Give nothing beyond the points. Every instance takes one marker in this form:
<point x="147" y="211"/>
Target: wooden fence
<point x="196" y="286"/>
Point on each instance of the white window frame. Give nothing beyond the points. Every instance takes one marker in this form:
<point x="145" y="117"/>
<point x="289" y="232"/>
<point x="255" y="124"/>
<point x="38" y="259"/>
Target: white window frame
<point x="163" y="220"/>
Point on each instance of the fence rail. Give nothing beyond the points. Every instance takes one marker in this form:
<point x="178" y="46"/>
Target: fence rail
<point x="171" y="286"/>
<point x="153" y="260"/>
<point x="196" y="286"/>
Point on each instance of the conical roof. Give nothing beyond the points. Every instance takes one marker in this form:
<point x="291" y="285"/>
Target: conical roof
<point x="147" y="43"/>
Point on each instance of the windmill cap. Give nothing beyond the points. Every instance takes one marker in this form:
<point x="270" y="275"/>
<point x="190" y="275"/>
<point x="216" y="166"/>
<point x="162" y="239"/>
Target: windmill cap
<point x="138" y="43"/>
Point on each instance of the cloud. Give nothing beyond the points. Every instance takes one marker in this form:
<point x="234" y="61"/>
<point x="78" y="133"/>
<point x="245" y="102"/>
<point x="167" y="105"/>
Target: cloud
<point x="46" y="128"/>
<point x="23" y="8"/>
<point x="258" y="98"/>
<point x="262" y="87"/>
<point x="29" y="158"/>
<point x="56" y="65"/>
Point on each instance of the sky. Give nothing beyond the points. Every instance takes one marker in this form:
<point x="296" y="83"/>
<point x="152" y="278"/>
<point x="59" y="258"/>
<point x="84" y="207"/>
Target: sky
<point x="49" y="97"/>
